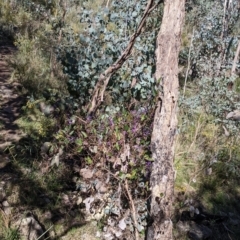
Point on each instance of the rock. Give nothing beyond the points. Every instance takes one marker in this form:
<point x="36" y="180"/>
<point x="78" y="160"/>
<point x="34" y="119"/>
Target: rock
<point x="6" y="207"/>
<point x="4" y="161"/>
<point x="183" y="227"/>
<point x="235" y="115"/>
<point x="25" y="170"/>
<point x="46" y="109"/>
<point x="98" y="216"/>
<point x="100" y="187"/>
<point x="88" y="201"/>
<point x="2" y="191"/>
<point x="122" y="225"/>
<point x="86" y="173"/>
<point x="2" y="184"/>
<point x="192" y="211"/>
<point x="79" y="200"/>
<point x="103" y="189"/>
<point x="98" y="234"/>
<point x="2" y="196"/>
<point x="30" y="228"/>
<point x="48" y="215"/>
<point x="99" y="174"/>
<point x="45" y="147"/>
<point x="65" y="199"/>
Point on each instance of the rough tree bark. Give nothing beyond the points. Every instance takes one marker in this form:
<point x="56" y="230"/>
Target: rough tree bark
<point x="165" y="120"/>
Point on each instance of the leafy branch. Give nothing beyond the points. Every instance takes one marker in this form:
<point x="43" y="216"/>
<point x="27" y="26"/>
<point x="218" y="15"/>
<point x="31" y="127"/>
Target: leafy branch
<point x="100" y="87"/>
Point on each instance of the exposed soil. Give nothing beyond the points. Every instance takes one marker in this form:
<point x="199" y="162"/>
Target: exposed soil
<point x="10" y="100"/>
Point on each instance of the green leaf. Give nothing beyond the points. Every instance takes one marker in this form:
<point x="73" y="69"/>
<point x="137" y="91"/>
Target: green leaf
<point x="84" y="134"/>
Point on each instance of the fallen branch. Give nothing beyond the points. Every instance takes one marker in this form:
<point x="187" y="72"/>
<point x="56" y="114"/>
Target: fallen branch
<point x="104" y="78"/>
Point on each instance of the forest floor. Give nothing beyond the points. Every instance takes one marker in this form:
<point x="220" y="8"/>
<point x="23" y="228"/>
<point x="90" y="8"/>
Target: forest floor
<point x="28" y="209"/>
<point x="44" y="200"/>
<point x="10" y="100"/>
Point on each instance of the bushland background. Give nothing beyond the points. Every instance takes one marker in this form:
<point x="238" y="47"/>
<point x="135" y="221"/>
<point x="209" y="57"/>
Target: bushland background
<point x="66" y="171"/>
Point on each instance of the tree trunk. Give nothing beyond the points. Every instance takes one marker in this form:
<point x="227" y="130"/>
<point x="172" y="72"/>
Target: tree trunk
<point x="234" y="65"/>
<point x="165" y="120"/>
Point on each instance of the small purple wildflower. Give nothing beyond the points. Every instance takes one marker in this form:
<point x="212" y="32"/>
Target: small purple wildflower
<point x="70" y="121"/>
<point x="146" y="132"/>
<point x="134" y="128"/>
<point x="148" y="164"/>
<point x="148" y="169"/>
<point x="89" y="118"/>
<point x="71" y="139"/>
<point x="111" y="123"/>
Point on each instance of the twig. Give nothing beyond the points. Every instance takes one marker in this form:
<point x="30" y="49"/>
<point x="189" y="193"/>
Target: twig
<point x="154" y="6"/>
<point x="114" y="176"/>
<point x="133" y="212"/>
<point x="119" y="194"/>
<point x="81" y="120"/>
<point x="104" y="78"/>
<point x="5" y="218"/>
<point x="188" y="67"/>
<point x="199" y="125"/>
<point x="45" y="232"/>
<point x="227" y="228"/>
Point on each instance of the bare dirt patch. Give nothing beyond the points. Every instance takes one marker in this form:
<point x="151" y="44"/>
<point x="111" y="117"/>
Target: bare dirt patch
<point x="10" y="100"/>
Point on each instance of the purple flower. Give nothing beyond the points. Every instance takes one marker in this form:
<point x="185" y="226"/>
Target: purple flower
<point x="70" y="121"/>
<point x="146" y="132"/>
<point x="148" y="164"/>
<point x="71" y="139"/>
<point x="148" y="169"/>
<point x="89" y="118"/>
<point x="111" y="122"/>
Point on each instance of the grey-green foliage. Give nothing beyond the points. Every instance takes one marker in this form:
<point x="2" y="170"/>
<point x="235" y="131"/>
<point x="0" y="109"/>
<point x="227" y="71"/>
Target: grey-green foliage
<point x="213" y="47"/>
<point x="210" y="80"/>
<point x="106" y="35"/>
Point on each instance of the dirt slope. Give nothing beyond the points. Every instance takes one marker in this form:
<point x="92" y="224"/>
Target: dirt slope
<point x="10" y="101"/>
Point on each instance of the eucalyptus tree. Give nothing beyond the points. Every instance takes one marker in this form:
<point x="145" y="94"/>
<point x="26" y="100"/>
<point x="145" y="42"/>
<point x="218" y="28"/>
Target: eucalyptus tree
<point x="112" y="47"/>
<point x="214" y="57"/>
<point x="165" y="120"/>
